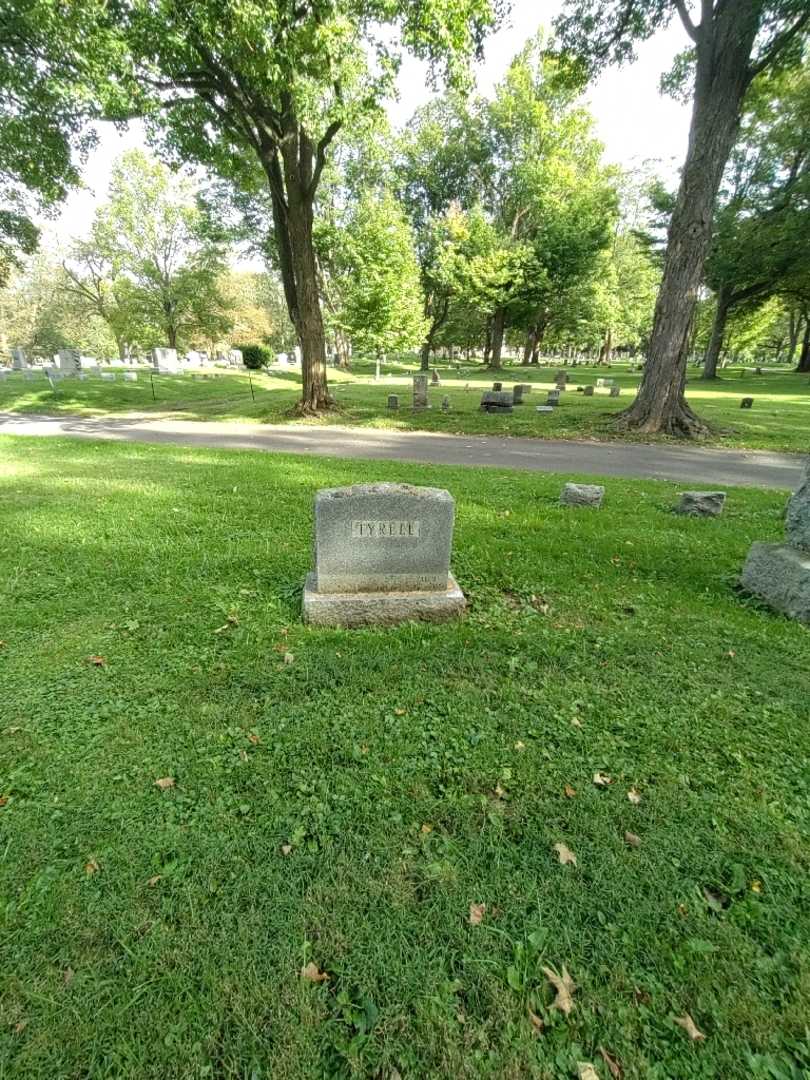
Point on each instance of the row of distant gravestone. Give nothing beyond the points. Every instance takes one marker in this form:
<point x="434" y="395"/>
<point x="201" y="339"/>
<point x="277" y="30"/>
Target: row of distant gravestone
<point x="382" y="553"/>
<point x="163" y="360"/>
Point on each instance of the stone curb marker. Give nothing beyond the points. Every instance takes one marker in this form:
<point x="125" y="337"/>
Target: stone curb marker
<point x="382" y="557"/>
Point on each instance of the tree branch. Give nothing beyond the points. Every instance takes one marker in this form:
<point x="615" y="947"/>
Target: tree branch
<point x="777" y="45"/>
<point x="692" y="30"/>
<point x="320" y="154"/>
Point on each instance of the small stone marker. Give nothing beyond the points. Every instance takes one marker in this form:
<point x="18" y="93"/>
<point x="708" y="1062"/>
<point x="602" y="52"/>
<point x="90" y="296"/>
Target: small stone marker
<point x="553" y="397"/>
<point x="435" y="380"/>
<point x="108" y="375"/>
<point x="165" y="361"/>
<point x="393" y="401"/>
<point x="70" y="361"/>
<point x="517" y="394"/>
<point x="496" y="401"/>
<point x="544" y="408"/>
<point x="382" y="556"/>
<point x="746" y="403"/>
<point x="420" y="392"/>
<point x="445" y="404"/>
<point x="582" y="495"/>
<point x="130" y="376"/>
<point x="497" y="387"/>
<point x="588" y="391"/>
<point x="701" y="503"/>
<point x="779" y="574"/>
<point x="615" y="391"/>
<point x="18" y="359"/>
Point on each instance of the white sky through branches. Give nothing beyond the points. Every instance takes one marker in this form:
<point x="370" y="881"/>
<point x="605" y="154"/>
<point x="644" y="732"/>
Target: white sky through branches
<point x="634" y="121"/>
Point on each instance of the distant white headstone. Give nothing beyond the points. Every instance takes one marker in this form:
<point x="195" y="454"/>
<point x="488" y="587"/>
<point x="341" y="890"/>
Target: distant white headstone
<point x="165" y="361"/>
<point x="69" y="361"/>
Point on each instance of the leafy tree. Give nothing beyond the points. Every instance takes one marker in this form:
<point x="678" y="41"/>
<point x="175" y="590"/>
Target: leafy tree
<point x="730" y="45"/>
<point x="548" y="194"/>
<point x="152" y="264"/>
<point x="236" y="85"/>
<point x="379" y="284"/>
<point x="44" y="111"/>
<point x="762" y="230"/>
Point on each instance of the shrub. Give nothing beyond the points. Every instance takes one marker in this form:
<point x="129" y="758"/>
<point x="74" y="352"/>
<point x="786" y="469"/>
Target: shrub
<point x="256" y="356"/>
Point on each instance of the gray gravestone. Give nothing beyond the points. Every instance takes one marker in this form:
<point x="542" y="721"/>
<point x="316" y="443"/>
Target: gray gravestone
<point x="582" y="495"/>
<point x="746" y="403"/>
<point x="130" y="376"/>
<point x="18" y="360"/>
<point x="701" y="503"/>
<point x="779" y="574"/>
<point x="445" y="404"/>
<point x="544" y="408"/>
<point x="382" y="556"/>
<point x="615" y="391"/>
<point x="553" y="397"/>
<point x="588" y="391"/>
<point x="109" y="376"/>
<point x="165" y="361"/>
<point x="497" y="387"/>
<point x="420" y="392"/>
<point x="393" y="400"/>
<point x="496" y="401"/>
<point x="434" y="379"/>
<point x="70" y="361"/>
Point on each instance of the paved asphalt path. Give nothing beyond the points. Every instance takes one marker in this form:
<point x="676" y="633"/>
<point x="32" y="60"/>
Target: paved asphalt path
<point x="715" y="468"/>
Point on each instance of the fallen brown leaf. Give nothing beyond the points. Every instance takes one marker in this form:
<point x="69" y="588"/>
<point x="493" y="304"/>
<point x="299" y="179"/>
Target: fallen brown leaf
<point x="756" y="886"/>
<point x="520" y="745"/>
<point x="311" y="973"/>
<point x="97" y="661"/>
<point x="565" y="855"/>
<point x="91" y="866"/>
<point x="399" y="712"/>
<point x="286" y="849"/>
<point x="612" y="1064"/>
<point x="570" y="792"/>
<point x="477" y="912"/>
<point x="3" y="800"/>
<point x="586" y="1071"/>
<point x="689" y="1026"/>
<point x="152" y="882"/>
<point x="576" y="723"/>
<point x="634" y="796"/>
<point x="602" y="779"/>
<point x="20" y="1027"/>
<point x="537" y="1023"/>
<point x="254" y="739"/>
<point x="426" y="829"/>
<point x="67" y="976"/>
<point x="165" y="782"/>
<point x="499" y="791"/>
<point x="565" y="987"/>
<point x="289" y="658"/>
<point x="631" y="839"/>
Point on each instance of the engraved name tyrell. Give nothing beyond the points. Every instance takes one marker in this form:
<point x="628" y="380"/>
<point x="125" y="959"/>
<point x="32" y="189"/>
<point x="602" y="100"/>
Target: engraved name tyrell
<point x="385" y="530"/>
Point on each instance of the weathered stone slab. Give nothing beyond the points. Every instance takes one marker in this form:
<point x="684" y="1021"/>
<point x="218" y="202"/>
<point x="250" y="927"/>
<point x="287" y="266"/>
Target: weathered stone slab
<point x="701" y="503"/>
<point x="797" y="519"/>
<point x="70" y="361"/>
<point x="582" y="495"/>
<point x="381" y="608"/>
<point x="393" y="401"/>
<point x="420" y="392"/>
<point x="383" y="537"/>
<point x="517" y="394"/>
<point x="747" y="403"/>
<point x="553" y="397"/>
<point x="496" y="401"/>
<point x="165" y="361"/>
<point x="588" y="391"/>
<point x="18" y="358"/>
<point x="780" y="576"/>
<point x="615" y="391"/>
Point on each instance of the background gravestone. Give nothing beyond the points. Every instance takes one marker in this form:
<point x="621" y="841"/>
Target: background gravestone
<point x="420" y="392"/>
<point x="382" y="556"/>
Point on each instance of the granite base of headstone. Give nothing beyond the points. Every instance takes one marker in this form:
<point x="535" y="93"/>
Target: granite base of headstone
<point x="779" y="574"/>
<point x="582" y="495"/>
<point x="382" y="557"/>
<point x="701" y="503"/>
<point x="393" y="401"/>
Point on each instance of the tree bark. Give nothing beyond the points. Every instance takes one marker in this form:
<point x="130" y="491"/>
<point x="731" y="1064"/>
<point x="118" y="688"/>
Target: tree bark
<point x="804" y="357"/>
<point x="606" y="350"/>
<point x="718" y="334"/>
<point x="488" y="341"/>
<point x="298" y="155"/>
<point x="498" y="327"/>
<point x="794" y="329"/>
<point x="724" y="43"/>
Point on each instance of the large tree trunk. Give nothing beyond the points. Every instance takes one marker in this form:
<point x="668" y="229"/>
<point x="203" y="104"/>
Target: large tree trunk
<point x="528" y="348"/>
<point x="297" y="153"/>
<point x="606" y="350"/>
<point x="722" y="76"/>
<point x="718" y="334"/>
<point x="794" y="329"/>
<point x="498" y="327"/>
<point x="804" y="358"/>
<point x="488" y="341"/>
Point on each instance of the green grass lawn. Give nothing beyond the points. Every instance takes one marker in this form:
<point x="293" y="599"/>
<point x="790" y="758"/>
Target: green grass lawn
<point x="342" y="798"/>
<point x="779" y="420"/>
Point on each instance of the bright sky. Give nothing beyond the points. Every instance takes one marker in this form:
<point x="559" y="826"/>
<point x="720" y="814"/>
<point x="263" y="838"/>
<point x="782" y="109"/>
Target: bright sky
<point x="633" y="120"/>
